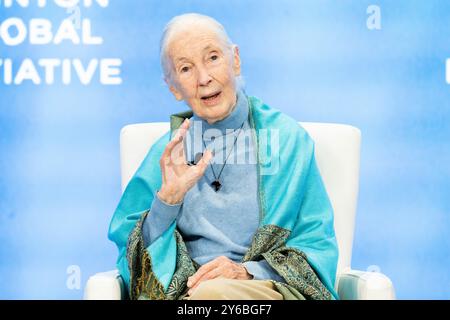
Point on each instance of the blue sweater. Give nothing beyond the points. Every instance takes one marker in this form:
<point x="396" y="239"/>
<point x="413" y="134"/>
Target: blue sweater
<point x="217" y="223"/>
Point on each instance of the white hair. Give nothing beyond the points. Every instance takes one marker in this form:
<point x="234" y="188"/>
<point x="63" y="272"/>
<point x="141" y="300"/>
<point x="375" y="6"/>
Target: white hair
<point x="184" y="21"/>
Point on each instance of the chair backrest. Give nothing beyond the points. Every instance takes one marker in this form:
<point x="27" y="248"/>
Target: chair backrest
<point x="337" y="150"/>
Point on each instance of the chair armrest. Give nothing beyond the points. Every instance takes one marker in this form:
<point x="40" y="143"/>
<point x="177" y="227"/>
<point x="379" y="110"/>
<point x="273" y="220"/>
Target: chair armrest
<point x="360" y="285"/>
<point x="105" y="286"/>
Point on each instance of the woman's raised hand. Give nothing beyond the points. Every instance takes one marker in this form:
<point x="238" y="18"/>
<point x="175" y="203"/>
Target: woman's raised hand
<point x="177" y="176"/>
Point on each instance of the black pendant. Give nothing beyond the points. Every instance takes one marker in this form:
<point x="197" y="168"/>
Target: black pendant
<point x="216" y="185"/>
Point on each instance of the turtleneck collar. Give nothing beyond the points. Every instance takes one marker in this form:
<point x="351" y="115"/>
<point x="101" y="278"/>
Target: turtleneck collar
<point x="233" y="121"/>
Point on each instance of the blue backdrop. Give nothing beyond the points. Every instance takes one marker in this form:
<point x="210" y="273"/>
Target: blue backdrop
<point x="315" y="60"/>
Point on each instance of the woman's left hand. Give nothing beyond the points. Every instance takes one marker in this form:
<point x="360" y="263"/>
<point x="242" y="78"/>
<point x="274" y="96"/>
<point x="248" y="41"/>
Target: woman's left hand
<point x="219" y="267"/>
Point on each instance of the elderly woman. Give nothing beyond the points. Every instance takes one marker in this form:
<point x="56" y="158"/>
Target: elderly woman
<point x="193" y="223"/>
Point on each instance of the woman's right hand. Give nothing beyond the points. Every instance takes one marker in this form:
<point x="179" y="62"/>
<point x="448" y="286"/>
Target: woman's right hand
<point x="177" y="176"/>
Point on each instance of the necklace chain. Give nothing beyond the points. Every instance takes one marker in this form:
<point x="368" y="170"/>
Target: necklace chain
<point x="216" y="183"/>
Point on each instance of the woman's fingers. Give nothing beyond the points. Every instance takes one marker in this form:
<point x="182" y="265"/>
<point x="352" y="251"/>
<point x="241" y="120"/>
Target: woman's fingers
<point x="204" y="269"/>
<point x="174" y="157"/>
<point x="197" y="171"/>
<point x="186" y="123"/>
<point x="167" y="154"/>
<point x="204" y="160"/>
<point x="179" y="136"/>
<point x="183" y="129"/>
<point x="172" y="143"/>
<point x="212" y="274"/>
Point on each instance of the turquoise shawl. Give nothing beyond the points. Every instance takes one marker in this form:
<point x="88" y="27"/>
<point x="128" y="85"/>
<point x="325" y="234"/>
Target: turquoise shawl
<point x="296" y="233"/>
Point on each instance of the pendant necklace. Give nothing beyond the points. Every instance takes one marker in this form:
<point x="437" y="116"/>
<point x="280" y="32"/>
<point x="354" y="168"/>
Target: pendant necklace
<point x="216" y="183"/>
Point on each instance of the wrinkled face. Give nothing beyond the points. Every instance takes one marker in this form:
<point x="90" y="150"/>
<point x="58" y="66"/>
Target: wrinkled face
<point x="203" y="72"/>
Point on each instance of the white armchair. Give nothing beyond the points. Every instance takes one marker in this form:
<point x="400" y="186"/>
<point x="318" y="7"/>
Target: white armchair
<point x="337" y="150"/>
